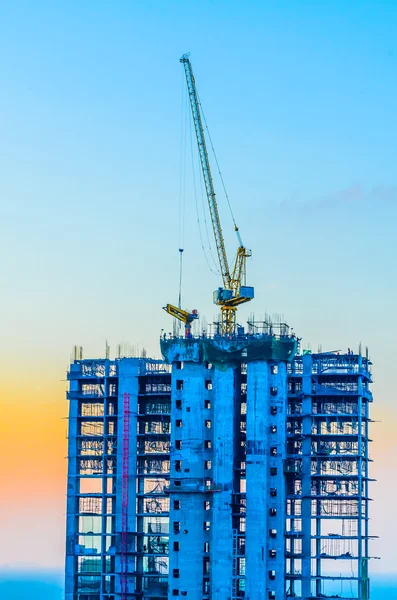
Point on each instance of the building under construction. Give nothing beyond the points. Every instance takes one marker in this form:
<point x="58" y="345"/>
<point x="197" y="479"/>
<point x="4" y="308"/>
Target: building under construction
<point x="236" y="467"/>
<point x="228" y="470"/>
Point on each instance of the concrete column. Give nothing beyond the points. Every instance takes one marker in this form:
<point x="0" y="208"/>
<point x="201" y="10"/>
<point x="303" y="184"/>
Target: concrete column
<point x="191" y="425"/>
<point x="222" y="468"/>
<point x="128" y="370"/>
<point x="306" y="475"/>
<point x="266" y="494"/>
<point x="72" y="490"/>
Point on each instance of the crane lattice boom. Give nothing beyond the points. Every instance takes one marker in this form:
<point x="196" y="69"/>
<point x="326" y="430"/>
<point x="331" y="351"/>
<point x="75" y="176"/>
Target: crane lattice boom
<point x="205" y="165"/>
<point x="235" y="291"/>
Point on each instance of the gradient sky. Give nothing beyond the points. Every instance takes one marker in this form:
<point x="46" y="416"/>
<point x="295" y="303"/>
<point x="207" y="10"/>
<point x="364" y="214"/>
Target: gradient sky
<point x="301" y="101"/>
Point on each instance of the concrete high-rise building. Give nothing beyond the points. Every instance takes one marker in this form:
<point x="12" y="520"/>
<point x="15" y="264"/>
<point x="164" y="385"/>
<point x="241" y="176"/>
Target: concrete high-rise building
<point x="234" y="468"/>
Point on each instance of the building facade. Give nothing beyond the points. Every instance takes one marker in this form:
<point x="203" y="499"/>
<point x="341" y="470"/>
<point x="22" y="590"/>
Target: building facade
<point x="220" y="474"/>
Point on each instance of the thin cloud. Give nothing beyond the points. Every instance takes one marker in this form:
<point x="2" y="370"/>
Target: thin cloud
<point x="353" y="194"/>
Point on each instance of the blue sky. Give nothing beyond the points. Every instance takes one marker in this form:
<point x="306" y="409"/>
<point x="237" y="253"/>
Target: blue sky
<point x="300" y="103"/>
<point x="300" y="98"/>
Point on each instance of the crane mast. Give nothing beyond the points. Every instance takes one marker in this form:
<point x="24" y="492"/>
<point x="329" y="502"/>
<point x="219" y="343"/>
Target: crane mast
<point x="234" y="291"/>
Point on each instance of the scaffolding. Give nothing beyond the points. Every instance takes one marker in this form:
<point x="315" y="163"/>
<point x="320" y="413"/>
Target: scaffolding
<point x="327" y="533"/>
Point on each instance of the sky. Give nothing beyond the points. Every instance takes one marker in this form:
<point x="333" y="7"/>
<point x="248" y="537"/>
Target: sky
<point x="97" y="195"/>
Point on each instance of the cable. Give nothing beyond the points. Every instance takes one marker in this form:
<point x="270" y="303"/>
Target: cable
<point x="182" y="167"/>
<point x="195" y="198"/>
<point x="217" y="163"/>
<point x="180" y="170"/>
<point x="205" y="218"/>
<point x="180" y="278"/>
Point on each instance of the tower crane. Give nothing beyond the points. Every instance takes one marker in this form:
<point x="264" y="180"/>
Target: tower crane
<point x="234" y="290"/>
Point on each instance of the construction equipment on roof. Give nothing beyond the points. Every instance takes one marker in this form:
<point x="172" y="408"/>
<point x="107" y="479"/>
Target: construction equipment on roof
<point x="234" y="290"/>
<point x="182" y="315"/>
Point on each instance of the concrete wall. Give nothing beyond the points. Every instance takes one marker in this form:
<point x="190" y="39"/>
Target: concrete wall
<point x="265" y="484"/>
<point x="187" y="491"/>
<point x="223" y="406"/>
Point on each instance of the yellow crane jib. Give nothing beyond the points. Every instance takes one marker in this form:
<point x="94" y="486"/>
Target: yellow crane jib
<point x="182" y="315"/>
<point x="234" y="290"/>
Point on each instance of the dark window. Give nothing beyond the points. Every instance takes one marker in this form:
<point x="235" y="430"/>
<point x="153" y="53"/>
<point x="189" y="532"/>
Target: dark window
<point x="207" y="444"/>
<point x="272" y="595"/>
<point x="206" y="585"/>
<point x="208" y="384"/>
<point x="178" y="403"/>
<point x="273" y="451"/>
<point x="272" y="512"/>
<point x="177" y="526"/>
<point x="207" y="465"/>
<point x="188" y="409"/>
<point x="273" y="428"/>
<point x="206" y="565"/>
<point x="177" y="483"/>
<point x="178" y="465"/>
<point x="179" y="384"/>
<point x="178" y="444"/>
<point x="273" y="470"/>
<point x="183" y="593"/>
<point x="176" y="546"/>
<point x="273" y="492"/>
<point x="207" y="404"/>
<point x="177" y="504"/>
<point x="185" y="531"/>
<point x="179" y="364"/>
<point x="273" y="533"/>
<point x="273" y="391"/>
<point x="187" y="470"/>
<point x="272" y="574"/>
<point x="175" y="592"/>
<point x="178" y="422"/>
<point x="273" y="410"/>
<point x="175" y="573"/>
<point x="272" y="553"/>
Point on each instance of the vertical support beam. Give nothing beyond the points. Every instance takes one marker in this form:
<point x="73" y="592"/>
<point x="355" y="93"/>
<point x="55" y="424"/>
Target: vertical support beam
<point x="366" y="484"/>
<point x="124" y="494"/>
<point x="72" y="489"/>
<point x="128" y="370"/>
<point x="360" y="479"/>
<point x="266" y="490"/>
<point x="306" y="474"/>
<point x="223" y="463"/>
<point x="191" y="425"/>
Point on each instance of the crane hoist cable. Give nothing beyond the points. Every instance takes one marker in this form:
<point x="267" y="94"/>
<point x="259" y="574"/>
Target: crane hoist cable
<point x="217" y="164"/>
<point x="198" y="212"/>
